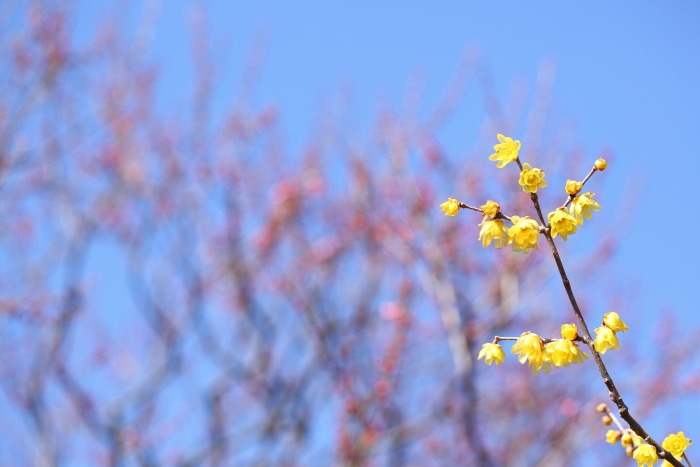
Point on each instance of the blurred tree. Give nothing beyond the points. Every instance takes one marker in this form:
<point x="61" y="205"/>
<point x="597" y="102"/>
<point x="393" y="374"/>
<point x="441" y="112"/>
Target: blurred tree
<point x="180" y="289"/>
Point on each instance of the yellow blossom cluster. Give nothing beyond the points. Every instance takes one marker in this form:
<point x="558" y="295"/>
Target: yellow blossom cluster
<point x="645" y="454"/>
<point x="539" y="356"/>
<point x="605" y="337"/>
<point x="523" y="234"/>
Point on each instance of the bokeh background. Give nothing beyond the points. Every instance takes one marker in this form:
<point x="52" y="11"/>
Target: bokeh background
<point x="221" y="242"/>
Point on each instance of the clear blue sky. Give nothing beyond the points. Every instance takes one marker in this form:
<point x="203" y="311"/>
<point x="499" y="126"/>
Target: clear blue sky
<point x="627" y="75"/>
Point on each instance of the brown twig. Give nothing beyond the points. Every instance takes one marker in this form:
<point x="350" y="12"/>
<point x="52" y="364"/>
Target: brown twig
<point x="612" y="389"/>
<point x="571" y="197"/>
<point x="499" y="214"/>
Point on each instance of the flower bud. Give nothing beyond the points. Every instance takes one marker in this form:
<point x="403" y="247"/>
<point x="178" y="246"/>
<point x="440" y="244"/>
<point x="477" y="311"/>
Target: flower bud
<point x="607" y="420"/>
<point x="600" y="164"/>
<point x="602" y="408"/>
<point x="573" y="187"/>
<point x="629" y="450"/>
<point x="626" y="440"/>
<point x="490" y="209"/>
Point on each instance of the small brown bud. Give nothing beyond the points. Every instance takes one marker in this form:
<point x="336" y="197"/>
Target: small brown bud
<point x="607" y="420"/>
<point x="626" y="440"/>
<point x="629" y="450"/>
<point x="602" y="408"/>
<point x="600" y="164"/>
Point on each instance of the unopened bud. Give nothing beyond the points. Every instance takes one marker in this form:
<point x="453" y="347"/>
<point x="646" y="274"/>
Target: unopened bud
<point x="602" y="408"/>
<point x="600" y="164"/>
<point x="607" y="420"/>
<point x="626" y="440"/>
<point x="629" y="450"/>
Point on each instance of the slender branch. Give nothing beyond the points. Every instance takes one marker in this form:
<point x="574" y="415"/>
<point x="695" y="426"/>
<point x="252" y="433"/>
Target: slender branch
<point x="544" y="340"/>
<point x="499" y="214"/>
<point x="615" y="420"/>
<point x="466" y="206"/>
<point x="612" y="389"/>
<point x="571" y="197"/>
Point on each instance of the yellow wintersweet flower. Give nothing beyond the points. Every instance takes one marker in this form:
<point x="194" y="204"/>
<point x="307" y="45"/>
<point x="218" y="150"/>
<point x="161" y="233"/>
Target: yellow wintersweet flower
<point x="493" y="353"/>
<point x="491" y="230"/>
<point x="506" y="151"/>
<point x="613" y="436"/>
<point x="531" y="179"/>
<point x="645" y="455"/>
<point x="563" y="352"/>
<point x="582" y="205"/>
<point x="569" y="331"/>
<point x="490" y="209"/>
<point x="605" y="339"/>
<point x="529" y="347"/>
<point x="573" y="187"/>
<point x="451" y="207"/>
<point x="524" y="233"/>
<point x="613" y="321"/>
<point x="676" y="444"/>
<point x="562" y="223"/>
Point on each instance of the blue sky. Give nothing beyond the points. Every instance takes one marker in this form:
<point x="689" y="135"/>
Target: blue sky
<point x="626" y="79"/>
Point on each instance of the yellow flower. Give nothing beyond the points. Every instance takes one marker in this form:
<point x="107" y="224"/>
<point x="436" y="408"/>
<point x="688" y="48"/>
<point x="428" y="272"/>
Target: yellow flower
<point x="451" y="207"/>
<point x="531" y="179"/>
<point x="600" y="164"/>
<point x="529" y="347"/>
<point x="582" y="205"/>
<point x="645" y="455"/>
<point x="506" y="151"/>
<point x="676" y="444"/>
<point x="493" y="352"/>
<point x="563" y="352"/>
<point x="562" y="223"/>
<point x="569" y="331"/>
<point x="572" y="187"/>
<point x="613" y="436"/>
<point x="524" y="233"/>
<point x="613" y="321"/>
<point x="493" y="229"/>
<point x="605" y="339"/>
<point x="490" y="209"/>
